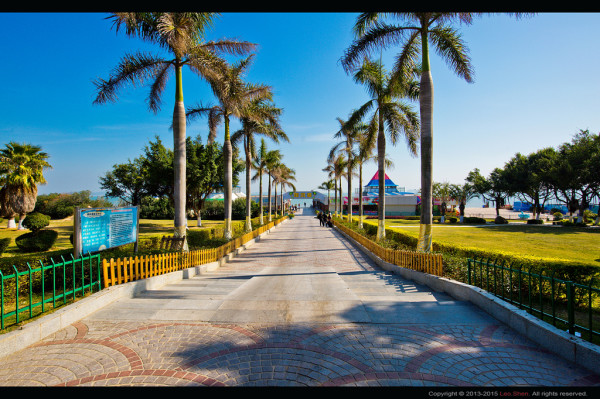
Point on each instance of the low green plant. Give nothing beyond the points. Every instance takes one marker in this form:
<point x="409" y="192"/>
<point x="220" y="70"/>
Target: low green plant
<point x="36" y="221"/>
<point x="535" y="221"/>
<point x="38" y="241"/>
<point x="4" y="243"/>
<point x="500" y="220"/>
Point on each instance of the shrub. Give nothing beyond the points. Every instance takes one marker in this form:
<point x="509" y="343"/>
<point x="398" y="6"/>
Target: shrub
<point x="36" y="221"/>
<point x="500" y="220"/>
<point x="453" y="219"/>
<point x="557" y="216"/>
<point x="39" y="241"/>
<point x="535" y="221"/>
<point x="474" y="220"/>
<point x="4" y="243"/>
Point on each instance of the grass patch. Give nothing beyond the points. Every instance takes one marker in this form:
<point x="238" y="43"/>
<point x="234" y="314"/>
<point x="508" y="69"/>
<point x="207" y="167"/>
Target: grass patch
<point x="543" y="241"/>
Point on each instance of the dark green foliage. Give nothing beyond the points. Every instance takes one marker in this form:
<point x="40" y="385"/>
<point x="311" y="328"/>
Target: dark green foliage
<point x="36" y="221"/>
<point x="39" y="241"/>
<point x="4" y="243"/>
<point x="500" y="220"/>
<point x="474" y="220"/>
<point x="535" y="221"/>
<point x="156" y="208"/>
<point x="60" y="206"/>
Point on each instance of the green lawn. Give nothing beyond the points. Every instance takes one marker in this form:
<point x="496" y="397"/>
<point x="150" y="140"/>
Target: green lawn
<point x="546" y="241"/>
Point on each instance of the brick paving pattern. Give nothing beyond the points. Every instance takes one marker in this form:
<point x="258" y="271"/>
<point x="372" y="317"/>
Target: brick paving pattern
<point x="302" y="307"/>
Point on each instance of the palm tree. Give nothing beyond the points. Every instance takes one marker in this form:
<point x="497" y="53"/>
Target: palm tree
<point x="336" y="170"/>
<point x="234" y="96"/>
<point x="385" y="91"/>
<point x="260" y="165"/>
<point x="260" y="117"/>
<point x="21" y="170"/>
<point x="181" y="35"/>
<point x="420" y="29"/>
<point x="272" y="159"/>
<point x="327" y="185"/>
<point x="284" y="176"/>
<point x="348" y="135"/>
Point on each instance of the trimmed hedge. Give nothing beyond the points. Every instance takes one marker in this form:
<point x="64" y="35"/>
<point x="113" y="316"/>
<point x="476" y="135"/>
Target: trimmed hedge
<point x="38" y="241"/>
<point x="4" y="243"/>
<point x="455" y="257"/>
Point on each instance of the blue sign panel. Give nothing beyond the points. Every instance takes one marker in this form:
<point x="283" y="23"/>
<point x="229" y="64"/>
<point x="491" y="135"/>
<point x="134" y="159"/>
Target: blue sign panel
<point x="104" y="228"/>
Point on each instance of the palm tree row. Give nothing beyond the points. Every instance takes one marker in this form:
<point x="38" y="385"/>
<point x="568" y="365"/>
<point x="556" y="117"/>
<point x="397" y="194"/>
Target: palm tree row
<point x="182" y="36"/>
<point x="414" y="34"/>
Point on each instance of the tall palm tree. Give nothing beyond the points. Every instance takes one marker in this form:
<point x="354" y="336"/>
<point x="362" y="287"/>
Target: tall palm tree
<point x="336" y="170"/>
<point x="260" y="165"/>
<point x="327" y="185"/>
<point x="414" y="35"/>
<point x="273" y="159"/>
<point x="180" y="34"/>
<point x="346" y="145"/>
<point x="21" y="170"/>
<point x="260" y="118"/>
<point x="388" y="111"/>
<point x="284" y="176"/>
<point x="234" y="96"/>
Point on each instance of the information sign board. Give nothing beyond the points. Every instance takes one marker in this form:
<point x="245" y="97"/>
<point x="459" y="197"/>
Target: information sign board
<point x="97" y="229"/>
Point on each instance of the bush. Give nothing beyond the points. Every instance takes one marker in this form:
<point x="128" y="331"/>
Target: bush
<point x="535" y="221"/>
<point x="453" y="219"/>
<point x="500" y="220"/>
<point x="36" y="221"/>
<point x="39" y="241"/>
<point x="557" y="216"/>
<point x="4" y="243"/>
<point x="474" y="220"/>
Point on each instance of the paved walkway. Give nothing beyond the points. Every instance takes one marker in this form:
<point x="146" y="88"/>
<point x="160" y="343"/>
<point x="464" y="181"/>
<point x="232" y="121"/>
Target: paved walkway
<point x="302" y="307"/>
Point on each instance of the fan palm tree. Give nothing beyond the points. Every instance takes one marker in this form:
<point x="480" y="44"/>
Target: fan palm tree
<point x="385" y="91"/>
<point x="234" y="96"/>
<point x="259" y="118"/>
<point x="180" y="34"/>
<point x="414" y="36"/>
<point x="21" y="170"/>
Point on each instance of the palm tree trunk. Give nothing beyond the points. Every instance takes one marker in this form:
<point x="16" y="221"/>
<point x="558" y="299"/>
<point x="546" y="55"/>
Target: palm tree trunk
<point x="381" y="174"/>
<point x="269" y="174"/>
<point x="248" y="198"/>
<point x="227" y="151"/>
<point x="260" y="196"/>
<point x="349" y="192"/>
<point x="179" y="133"/>
<point x="275" y="195"/>
<point x="335" y="192"/>
<point x="360" y="200"/>
<point x="426" y="110"/>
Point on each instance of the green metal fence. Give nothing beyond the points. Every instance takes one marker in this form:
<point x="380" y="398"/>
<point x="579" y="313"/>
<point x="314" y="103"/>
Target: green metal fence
<point x="564" y="304"/>
<point x="37" y="290"/>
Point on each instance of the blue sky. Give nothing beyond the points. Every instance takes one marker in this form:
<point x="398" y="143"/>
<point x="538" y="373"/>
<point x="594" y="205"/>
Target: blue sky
<point x="536" y="85"/>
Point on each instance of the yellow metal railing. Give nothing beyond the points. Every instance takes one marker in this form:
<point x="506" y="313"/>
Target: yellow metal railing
<point x="123" y="270"/>
<point x="419" y="261"/>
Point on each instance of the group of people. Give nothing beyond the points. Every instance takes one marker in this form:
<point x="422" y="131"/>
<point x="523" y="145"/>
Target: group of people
<point x="325" y="220"/>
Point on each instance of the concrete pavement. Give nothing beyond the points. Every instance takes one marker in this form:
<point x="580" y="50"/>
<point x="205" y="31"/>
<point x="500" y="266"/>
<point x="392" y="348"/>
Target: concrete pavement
<point x="301" y="307"/>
